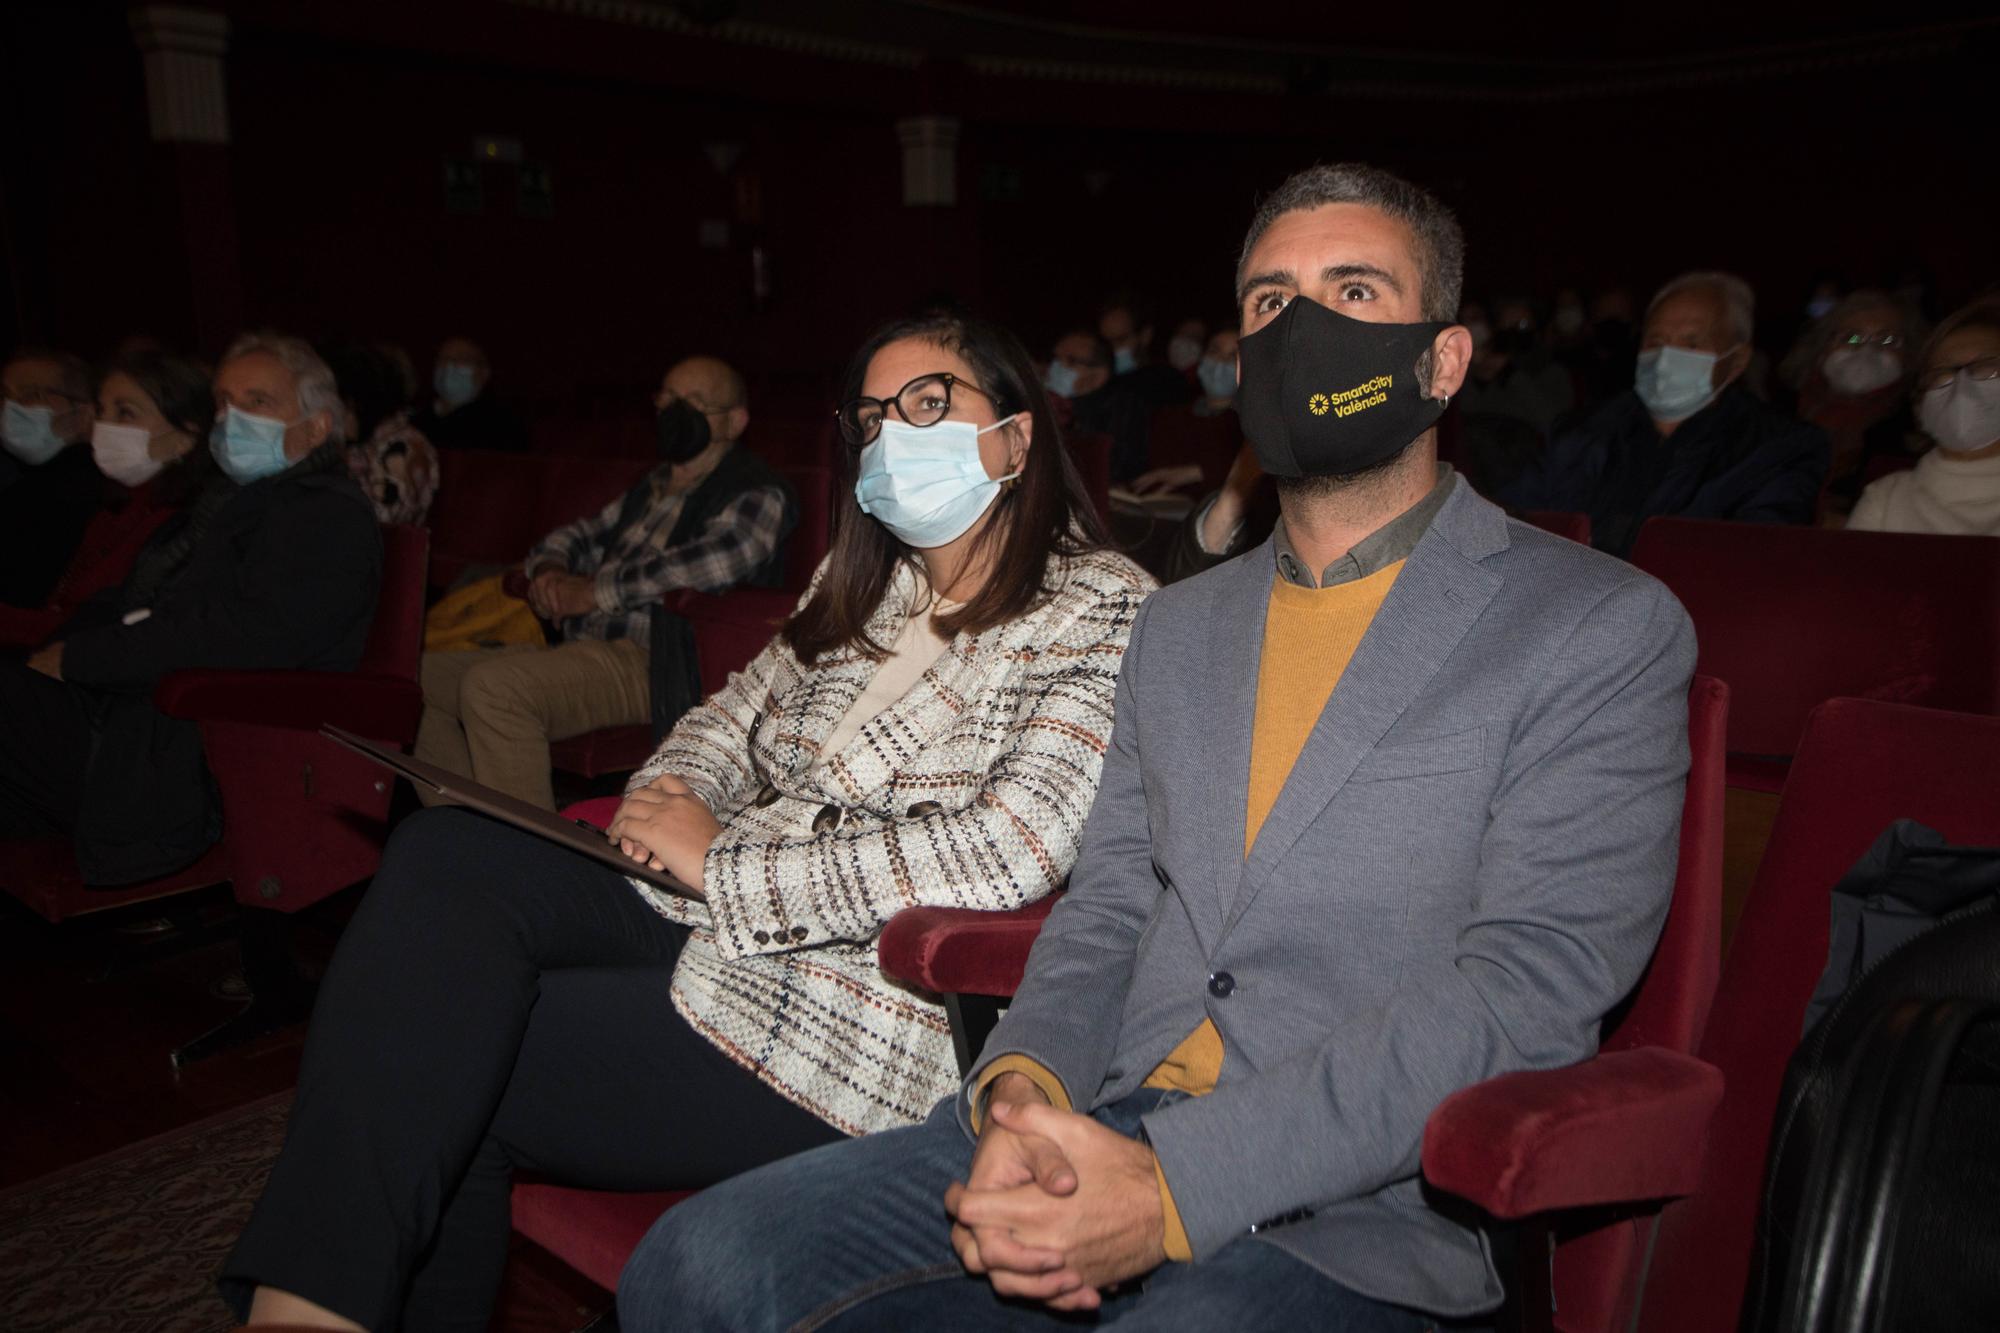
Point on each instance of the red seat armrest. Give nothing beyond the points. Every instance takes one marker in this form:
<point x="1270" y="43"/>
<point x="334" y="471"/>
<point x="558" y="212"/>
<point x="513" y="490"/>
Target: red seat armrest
<point x="956" y="950"/>
<point x="1618" y="1128"/>
<point x="379" y="707"/>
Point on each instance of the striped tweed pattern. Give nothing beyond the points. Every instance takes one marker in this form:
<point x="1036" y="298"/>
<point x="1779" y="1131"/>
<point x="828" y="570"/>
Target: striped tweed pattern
<point x="969" y="791"/>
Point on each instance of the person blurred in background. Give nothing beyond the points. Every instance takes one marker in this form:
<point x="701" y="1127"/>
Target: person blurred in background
<point x="49" y="488"/>
<point x="280" y="574"/>
<point x="1216" y="373"/>
<point x="1185" y="347"/>
<point x="1686" y="439"/>
<point x="1514" y="375"/>
<point x="1854" y="381"/>
<point x="1093" y="402"/>
<point x="463" y="413"/>
<point x="392" y="460"/>
<point x="1127" y="328"/>
<point x="1955" y="488"/>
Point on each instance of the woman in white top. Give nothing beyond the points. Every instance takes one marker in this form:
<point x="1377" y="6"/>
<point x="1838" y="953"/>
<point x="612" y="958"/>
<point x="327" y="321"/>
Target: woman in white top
<point x="927" y="728"/>
<point x="1955" y="488"/>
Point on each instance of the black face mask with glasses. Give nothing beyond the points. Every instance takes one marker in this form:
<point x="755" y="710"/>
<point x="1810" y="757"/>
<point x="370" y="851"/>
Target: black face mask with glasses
<point x="680" y="431"/>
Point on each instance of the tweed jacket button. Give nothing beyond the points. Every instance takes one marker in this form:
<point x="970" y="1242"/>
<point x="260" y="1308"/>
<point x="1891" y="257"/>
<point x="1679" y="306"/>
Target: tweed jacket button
<point x="761" y="936"/>
<point x="829" y="817"/>
<point x="923" y="808"/>
<point x="798" y="932"/>
<point x="1221" y="984"/>
<point x="768" y="796"/>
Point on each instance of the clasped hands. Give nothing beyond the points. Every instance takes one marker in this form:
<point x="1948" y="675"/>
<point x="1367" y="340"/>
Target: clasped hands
<point x="554" y="594"/>
<point x="666" y="826"/>
<point x="1057" y="1205"/>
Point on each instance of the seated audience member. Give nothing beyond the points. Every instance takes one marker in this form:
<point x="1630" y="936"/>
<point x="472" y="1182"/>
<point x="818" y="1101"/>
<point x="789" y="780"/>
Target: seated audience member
<point x="153" y="412"/>
<point x="927" y="728"/>
<point x="1129" y="333"/>
<point x="1093" y="402"/>
<point x="1955" y="488"/>
<point x="1216" y="373"/>
<point x="1513" y="376"/>
<point x="1390" y="808"/>
<point x="1185" y="347"/>
<point x="45" y="429"/>
<point x="392" y="461"/>
<point x="709" y="517"/>
<point x="463" y="414"/>
<point x="1855" y="386"/>
<point x="282" y="573"/>
<point x="1687" y="439"/>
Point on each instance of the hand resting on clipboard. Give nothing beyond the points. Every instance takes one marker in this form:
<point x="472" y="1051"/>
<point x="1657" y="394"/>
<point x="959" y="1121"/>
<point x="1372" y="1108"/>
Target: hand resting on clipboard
<point x="460" y="790"/>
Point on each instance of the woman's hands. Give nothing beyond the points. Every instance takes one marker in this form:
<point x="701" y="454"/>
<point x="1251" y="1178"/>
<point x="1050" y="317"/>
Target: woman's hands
<point x="666" y="826"/>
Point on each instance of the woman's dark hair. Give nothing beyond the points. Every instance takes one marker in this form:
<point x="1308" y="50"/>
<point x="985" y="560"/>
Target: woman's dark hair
<point x="1046" y="514"/>
<point x="180" y="388"/>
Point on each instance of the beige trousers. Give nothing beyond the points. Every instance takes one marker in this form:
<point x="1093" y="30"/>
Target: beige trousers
<point x="490" y="713"/>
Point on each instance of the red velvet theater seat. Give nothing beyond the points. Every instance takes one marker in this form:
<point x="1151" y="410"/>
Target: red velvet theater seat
<point x="302" y="816"/>
<point x="1176" y="437"/>
<point x="1791" y="617"/>
<point x="1861" y="765"/>
<point x="1534" y="1147"/>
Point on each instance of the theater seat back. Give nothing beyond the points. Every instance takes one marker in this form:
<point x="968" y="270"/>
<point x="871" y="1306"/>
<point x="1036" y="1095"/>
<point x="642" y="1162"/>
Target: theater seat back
<point x="1861" y="765"/>
<point x="396" y="639"/>
<point x="1791" y="617"/>
<point x="814" y="534"/>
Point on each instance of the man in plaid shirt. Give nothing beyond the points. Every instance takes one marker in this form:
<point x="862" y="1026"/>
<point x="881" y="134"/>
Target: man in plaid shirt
<point x="709" y="517"/>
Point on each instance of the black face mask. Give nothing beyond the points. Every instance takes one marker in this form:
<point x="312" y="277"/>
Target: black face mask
<point x="680" y="431"/>
<point x="1324" y="395"/>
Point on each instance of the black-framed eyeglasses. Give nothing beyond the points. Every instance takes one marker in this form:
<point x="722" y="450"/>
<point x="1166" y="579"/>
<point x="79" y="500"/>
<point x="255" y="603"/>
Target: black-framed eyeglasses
<point x="1892" y="341"/>
<point x="924" y="401"/>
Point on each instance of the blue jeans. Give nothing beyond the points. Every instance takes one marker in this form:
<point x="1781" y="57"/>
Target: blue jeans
<point x="854" y="1236"/>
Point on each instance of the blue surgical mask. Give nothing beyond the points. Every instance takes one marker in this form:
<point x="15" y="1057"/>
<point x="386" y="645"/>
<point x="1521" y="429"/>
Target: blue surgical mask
<point x="1675" y="382"/>
<point x="454" y="382"/>
<point x="249" y="448"/>
<point x="29" y="433"/>
<point x="1060" y="379"/>
<point x="926" y="483"/>
<point x="1124" y="359"/>
<point x="1218" y="378"/>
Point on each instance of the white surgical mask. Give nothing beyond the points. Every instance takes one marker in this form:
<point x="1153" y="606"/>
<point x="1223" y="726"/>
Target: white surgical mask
<point x="124" y="453"/>
<point x="926" y="483"/>
<point x="1218" y="378"/>
<point x="1675" y="382"/>
<point x="1182" y="353"/>
<point x="1060" y="379"/>
<point x="1962" y="416"/>
<point x="29" y="433"/>
<point x="249" y="447"/>
<point x="1124" y="361"/>
<point x="1858" y="370"/>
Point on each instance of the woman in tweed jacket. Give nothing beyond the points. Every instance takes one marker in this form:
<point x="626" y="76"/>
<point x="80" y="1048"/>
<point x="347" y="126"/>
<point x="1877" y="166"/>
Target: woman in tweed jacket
<point x="927" y="728"/>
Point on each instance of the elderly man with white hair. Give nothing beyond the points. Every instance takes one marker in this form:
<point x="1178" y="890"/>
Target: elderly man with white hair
<point x="1688" y="439"/>
<point x="279" y="573"/>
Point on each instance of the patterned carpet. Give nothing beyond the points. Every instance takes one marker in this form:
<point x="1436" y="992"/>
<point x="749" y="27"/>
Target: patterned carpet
<point x="129" y="1242"/>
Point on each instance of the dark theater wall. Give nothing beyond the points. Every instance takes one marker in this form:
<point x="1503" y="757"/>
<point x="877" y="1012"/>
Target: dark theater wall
<point x="343" y="116"/>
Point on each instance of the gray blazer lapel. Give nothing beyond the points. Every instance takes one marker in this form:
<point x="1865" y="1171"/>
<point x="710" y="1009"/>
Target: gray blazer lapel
<point x="1437" y="597"/>
<point x="1236" y="652"/>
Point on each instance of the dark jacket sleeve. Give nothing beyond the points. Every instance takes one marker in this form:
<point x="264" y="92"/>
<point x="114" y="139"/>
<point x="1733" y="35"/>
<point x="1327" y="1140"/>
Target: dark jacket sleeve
<point x="1799" y="456"/>
<point x="301" y="595"/>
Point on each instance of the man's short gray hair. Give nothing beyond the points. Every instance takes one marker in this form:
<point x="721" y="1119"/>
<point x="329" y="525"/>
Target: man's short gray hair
<point x="318" y="391"/>
<point x="1440" y="242"/>
<point x="1739" y="303"/>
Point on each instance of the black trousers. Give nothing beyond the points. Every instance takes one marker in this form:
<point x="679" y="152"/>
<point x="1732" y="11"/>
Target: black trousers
<point x="497" y="1004"/>
<point x="44" y="747"/>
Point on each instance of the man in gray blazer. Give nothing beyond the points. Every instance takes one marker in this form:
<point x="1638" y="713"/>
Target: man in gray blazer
<point x="1391" y="807"/>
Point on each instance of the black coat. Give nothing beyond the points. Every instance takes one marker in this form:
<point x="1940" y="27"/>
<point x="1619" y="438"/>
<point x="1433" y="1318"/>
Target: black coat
<point x="43" y="513"/>
<point x="285" y="576"/>
<point x="1738" y="458"/>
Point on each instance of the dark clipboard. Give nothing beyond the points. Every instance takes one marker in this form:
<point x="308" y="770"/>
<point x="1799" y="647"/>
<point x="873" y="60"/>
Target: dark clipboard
<point x="577" y="836"/>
